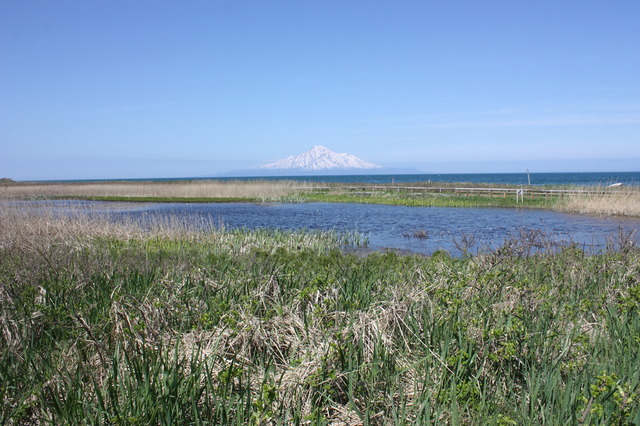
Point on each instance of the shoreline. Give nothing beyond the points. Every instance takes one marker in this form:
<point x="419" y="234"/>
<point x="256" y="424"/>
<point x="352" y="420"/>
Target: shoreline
<point x="599" y="201"/>
<point x="117" y="322"/>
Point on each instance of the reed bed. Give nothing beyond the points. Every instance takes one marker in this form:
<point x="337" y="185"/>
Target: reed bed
<point x="204" y="189"/>
<point x="117" y="323"/>
<point x="69" y="224"/>
<point x="601" y="201"/>
<point x="423" y="199"/>
<point x="604" y="202"/>
<point x="596" y="200"/>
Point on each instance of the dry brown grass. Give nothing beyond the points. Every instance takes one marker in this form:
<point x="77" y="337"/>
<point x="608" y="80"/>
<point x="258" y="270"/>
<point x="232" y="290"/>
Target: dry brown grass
<point x="74" y="224"/>
<point x="604" y="202"/>
<point x="172" y="189"/>
<point x="308" y="335"/>
<point x="42" y="226"/>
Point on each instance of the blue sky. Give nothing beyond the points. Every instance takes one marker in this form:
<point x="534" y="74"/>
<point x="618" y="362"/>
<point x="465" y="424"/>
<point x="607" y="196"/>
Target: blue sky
<point x="135" y="89"/>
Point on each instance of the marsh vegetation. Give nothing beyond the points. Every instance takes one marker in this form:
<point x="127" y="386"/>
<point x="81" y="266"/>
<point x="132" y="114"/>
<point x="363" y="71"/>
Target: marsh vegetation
<point x="601" y="200"/>
<point x="197" y="190"/>
<point x="113" y="323"/>
<point x="604" y="202"/>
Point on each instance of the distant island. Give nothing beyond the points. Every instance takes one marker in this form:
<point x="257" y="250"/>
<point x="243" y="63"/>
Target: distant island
<point x="319" y="160"/>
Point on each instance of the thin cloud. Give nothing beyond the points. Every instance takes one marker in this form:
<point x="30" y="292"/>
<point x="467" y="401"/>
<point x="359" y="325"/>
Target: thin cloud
<point x="125" y="108"/>
<point x="595" y="114"/>
<point x="571" y="120"/>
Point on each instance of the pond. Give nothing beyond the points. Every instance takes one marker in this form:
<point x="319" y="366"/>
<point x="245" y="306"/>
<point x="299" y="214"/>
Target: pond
<point x="413" y="229"/>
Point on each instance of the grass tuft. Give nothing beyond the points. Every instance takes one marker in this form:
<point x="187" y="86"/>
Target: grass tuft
<point x="114" y="322"/>
<point x="604" y="201"/>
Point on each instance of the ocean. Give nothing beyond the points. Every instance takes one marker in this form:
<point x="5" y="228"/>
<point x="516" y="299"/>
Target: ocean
<point x="573" y="178"/>
<point x="584" y="178"/>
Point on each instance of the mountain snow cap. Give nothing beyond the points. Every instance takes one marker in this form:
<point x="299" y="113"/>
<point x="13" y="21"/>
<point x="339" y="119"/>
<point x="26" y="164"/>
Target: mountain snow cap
<point x="320" y="158"/>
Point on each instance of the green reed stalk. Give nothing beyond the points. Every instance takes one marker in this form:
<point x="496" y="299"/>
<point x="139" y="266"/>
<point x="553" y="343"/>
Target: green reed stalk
<point x="170" y="324"/>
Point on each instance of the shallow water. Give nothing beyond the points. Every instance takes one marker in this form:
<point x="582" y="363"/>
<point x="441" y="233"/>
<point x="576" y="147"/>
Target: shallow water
<point x="415" y="229"/>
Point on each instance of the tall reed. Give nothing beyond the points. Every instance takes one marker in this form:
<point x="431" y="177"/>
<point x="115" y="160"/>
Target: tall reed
<point x="169" y="189"/>
<point x="604" y="201"/>
<point x="114" y="323"/>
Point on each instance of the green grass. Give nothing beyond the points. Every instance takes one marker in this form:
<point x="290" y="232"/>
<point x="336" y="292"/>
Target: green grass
<point x="586" y="200"/>
<point x="262" y="327"/>
<point x="425" y="200"/>
<point x="389" y="198"/>
<point x="161" y="199"/>
<point x="377" y="197"/>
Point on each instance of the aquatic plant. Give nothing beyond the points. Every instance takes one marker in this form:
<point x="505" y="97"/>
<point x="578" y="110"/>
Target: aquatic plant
<point x="604" y="201"/>
<point x="425" y="199"/>
<point x="590" y="200"/>
<point x="176" y="190"/>
<point x="419" y="233"/>
<point x="110" y="322"/>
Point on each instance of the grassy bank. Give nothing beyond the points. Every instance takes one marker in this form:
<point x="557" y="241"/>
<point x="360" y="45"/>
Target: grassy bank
<point x="604" y="202"/>
<point x="157" y="191"/>
<point x="423" y="199"/>
<point x="111" y="324"/>
<point x="591" y="200"/>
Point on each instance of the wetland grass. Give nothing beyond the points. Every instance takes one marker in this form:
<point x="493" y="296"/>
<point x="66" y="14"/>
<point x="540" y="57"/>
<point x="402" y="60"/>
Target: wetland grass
<point x="204" y="191"/>
<point x="604" y="201"/>
<point x="424" y="200"/>
<point x="595" y="201"/>
<point x="601" y="201"/>
<point x="112" y="323"/>
<point x="170" y="191"/>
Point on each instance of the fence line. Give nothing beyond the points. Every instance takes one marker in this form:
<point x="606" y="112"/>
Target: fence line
<point x="521" y="192"/>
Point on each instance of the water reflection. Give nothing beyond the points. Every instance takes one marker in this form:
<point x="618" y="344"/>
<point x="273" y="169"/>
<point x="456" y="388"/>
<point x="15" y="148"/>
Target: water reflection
<point x="414" y="229"/>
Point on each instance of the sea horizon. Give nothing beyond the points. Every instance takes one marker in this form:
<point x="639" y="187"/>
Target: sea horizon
<point x="534" y="178"/>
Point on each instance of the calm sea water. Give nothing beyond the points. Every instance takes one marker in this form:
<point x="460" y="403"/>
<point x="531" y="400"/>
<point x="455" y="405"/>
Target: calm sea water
<point x="591" y="178"/>
<point x="603" y="178"/>
<point x="415" y="229"/>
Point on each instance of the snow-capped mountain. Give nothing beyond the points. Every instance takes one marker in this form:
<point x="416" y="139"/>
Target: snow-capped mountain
<point x="318" y="161"/>
<point x="320" y="158"/>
